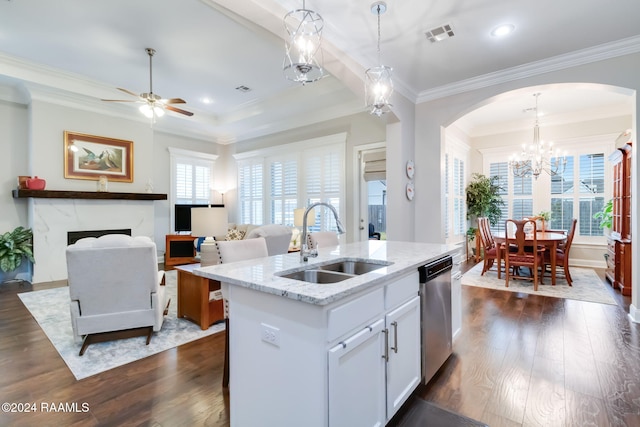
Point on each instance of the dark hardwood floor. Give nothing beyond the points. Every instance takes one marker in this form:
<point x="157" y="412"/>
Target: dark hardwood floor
<point x="521" y="360"/>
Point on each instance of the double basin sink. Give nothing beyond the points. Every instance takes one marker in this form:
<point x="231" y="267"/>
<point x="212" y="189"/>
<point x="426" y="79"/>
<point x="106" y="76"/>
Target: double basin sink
<point x="336" y="271"/>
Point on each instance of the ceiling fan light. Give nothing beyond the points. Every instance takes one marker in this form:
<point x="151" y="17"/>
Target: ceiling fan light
<point x="158" y="111"/>
<point x="146" y="110"/>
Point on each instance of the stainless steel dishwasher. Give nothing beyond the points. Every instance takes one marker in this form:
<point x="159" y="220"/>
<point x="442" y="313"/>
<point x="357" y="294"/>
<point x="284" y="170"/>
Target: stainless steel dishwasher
<point x="435" y="309"/>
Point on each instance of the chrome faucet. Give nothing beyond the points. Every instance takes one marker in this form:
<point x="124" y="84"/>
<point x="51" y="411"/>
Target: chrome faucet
<point x="305" y="252"/>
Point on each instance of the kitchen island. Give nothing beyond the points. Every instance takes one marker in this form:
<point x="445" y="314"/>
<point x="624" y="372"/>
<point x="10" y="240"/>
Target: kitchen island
<point x="324" y="354"/>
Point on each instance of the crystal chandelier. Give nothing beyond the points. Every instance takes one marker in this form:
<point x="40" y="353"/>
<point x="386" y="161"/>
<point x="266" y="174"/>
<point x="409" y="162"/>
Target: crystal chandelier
<point x="536" y="157"/>
<point x="378" y="84"/>
<point x="304" y="28"/>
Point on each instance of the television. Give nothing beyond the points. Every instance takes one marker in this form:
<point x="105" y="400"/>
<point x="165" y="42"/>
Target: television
<point x="182" y="216"/>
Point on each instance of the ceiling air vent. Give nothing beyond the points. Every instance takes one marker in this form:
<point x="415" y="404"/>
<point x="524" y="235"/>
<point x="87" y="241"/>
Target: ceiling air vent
<point x="440" y="33"/>
<point x="243" y="88"/>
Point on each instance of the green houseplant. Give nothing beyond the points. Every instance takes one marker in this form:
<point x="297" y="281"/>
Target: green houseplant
<point x="14" y="247"/>
<point x="605" y="216"/>
<point x="483" y="199"/>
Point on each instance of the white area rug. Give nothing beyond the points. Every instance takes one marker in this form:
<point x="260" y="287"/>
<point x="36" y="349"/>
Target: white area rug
<point x="587" y="286"/>
<point x="50" y="308"/>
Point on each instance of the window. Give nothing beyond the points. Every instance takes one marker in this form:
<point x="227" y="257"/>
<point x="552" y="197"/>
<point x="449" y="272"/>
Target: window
<point x="250" y="191"/>
<point x="191" y="176"/>
<point x="456" y="159"/>
<point x="578" y="192"/>
<point x="273" y="182"/>
<point x="591" y="191"/>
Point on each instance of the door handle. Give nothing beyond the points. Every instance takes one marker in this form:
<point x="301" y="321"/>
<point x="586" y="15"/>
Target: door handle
<point x="385" y="356"/>
<point x="395" y="337"/>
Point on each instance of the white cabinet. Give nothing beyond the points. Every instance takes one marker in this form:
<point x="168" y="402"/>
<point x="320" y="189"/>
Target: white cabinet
<point x="373" y="372"/>
<point x="403" y="352"/>
<point x="357" y="379"/>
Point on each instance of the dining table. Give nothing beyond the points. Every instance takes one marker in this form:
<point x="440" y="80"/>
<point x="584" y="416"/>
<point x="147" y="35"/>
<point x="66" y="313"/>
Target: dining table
<point x="550" y="240"/>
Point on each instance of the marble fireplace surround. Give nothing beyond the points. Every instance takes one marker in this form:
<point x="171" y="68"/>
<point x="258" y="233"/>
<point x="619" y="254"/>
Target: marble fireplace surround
<point x="52" y="218"/>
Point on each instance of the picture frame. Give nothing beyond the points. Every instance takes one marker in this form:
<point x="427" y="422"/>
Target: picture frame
<point x="90" y="157"/>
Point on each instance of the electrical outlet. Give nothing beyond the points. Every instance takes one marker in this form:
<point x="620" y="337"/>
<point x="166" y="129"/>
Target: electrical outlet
<point x="270" y="334"/>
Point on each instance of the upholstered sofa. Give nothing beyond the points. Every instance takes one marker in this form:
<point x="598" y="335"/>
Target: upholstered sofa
<point x="278" y="237"/>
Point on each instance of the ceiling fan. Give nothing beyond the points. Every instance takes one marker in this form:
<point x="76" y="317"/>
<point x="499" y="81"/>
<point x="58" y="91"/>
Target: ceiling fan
<point x="153" y="105"/>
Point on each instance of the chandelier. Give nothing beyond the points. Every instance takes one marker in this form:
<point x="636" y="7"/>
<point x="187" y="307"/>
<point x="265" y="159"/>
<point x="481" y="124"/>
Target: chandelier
<point x="378" y="84"/>
<point x="304" y="28"/>
<point x="538" y="156"/>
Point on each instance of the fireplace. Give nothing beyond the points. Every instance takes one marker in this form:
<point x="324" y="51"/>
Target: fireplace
<point x="55" y="222"/>
<point x="74" y="236"/>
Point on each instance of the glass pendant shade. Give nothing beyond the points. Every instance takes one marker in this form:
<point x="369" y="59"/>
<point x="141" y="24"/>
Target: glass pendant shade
<point x="378" y="89"/>
<point x="301" y="63"/>
<point x="378" y="85"/>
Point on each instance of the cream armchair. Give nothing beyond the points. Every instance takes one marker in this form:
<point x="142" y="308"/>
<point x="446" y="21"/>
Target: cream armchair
<point x="114" y="285"/>
<point x="277" y="237"/>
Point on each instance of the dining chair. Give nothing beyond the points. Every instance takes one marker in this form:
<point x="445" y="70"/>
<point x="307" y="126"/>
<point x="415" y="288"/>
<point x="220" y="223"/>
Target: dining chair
<point x="527" y="253"/>
<point x="233" y="251"/>
<point x="322" y="239"/>
<point x="562" y="253"/>
<point x="489" y="247"/>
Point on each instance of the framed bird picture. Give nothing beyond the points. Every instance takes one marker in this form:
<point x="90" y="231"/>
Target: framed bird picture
<point x="89" y="157"/>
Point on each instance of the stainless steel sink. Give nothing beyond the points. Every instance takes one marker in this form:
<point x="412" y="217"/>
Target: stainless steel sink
<point x="336" y="271"/>
<point x="318" y="276"/>
<point x="352" y="267"/>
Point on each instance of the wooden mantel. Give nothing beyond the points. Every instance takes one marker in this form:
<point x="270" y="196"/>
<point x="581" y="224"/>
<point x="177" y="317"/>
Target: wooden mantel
<point x="91" y="195"/>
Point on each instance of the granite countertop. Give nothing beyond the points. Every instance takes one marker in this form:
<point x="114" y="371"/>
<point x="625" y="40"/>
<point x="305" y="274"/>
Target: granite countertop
<point x="260" y="273"/>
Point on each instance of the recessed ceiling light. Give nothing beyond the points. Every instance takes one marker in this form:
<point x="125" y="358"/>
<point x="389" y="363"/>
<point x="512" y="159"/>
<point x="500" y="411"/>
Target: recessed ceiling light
<point x="502" y="30"/>
<point x="206" y="100"/>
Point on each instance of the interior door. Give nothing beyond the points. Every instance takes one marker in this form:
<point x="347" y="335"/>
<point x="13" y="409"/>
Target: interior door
<point x="372" y="191"/>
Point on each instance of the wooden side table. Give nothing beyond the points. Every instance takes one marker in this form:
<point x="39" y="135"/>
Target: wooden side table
<point x="193" y="297"/>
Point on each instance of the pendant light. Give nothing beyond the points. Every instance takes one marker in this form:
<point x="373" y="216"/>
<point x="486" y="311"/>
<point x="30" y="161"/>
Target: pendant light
<point x="378" y="84"/>
<point x="304" y="28"/>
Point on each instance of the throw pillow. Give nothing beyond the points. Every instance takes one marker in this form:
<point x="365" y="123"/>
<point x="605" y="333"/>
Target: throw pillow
<point x="235" y="234"/>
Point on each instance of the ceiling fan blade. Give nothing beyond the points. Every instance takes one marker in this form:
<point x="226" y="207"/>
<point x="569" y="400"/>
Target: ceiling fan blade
<point x="178" y="110"/>
<point x="129" y="92"/>
<point x="174" y="101"/>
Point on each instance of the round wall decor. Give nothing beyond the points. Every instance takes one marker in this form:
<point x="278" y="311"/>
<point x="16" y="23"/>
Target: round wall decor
<point x="410" y="190"/>
<point x="411" y="169"/>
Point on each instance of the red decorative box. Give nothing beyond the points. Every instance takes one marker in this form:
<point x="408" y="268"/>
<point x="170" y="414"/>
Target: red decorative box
<point x="36" y="183"/>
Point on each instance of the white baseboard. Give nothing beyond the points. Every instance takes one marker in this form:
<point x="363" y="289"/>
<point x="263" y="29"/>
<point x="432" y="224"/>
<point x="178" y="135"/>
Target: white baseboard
<point x="587" y="263"/>
<point x="634" y="314"/>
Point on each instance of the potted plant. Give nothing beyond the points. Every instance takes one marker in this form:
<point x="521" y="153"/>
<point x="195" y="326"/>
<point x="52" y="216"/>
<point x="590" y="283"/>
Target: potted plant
<point x="605" y="216"/>
<point x="14" y="247"/>
<point x="483" y="199"/>
<point x="544" y="217"/>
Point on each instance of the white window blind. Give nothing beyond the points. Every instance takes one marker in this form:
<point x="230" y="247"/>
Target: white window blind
<point x="273" y="182"/>
<point x="501" y="170"/>
<point x="250" y="191"/>
<point x="191" y="180"/>
<point x="284" y="190"/>
<point x="591" y="191"/>
<point x="375" y="166"/>
<point x="323" y="180"/>
<point x="459" y="198"/>
<point x="447" y="198"/>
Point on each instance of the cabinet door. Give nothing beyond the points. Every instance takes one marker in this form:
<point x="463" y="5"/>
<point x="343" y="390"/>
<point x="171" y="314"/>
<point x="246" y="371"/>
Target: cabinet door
<point x="403" y="368"/>
<point x="357" y="379"/>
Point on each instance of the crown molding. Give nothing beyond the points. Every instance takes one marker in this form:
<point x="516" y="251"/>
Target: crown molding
<point x="601" y="52"/>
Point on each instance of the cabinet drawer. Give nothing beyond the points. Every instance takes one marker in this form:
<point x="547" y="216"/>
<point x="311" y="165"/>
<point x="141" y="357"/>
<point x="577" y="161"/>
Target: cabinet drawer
<point x="349" y="316"/>
<point x="401" y="290"/>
